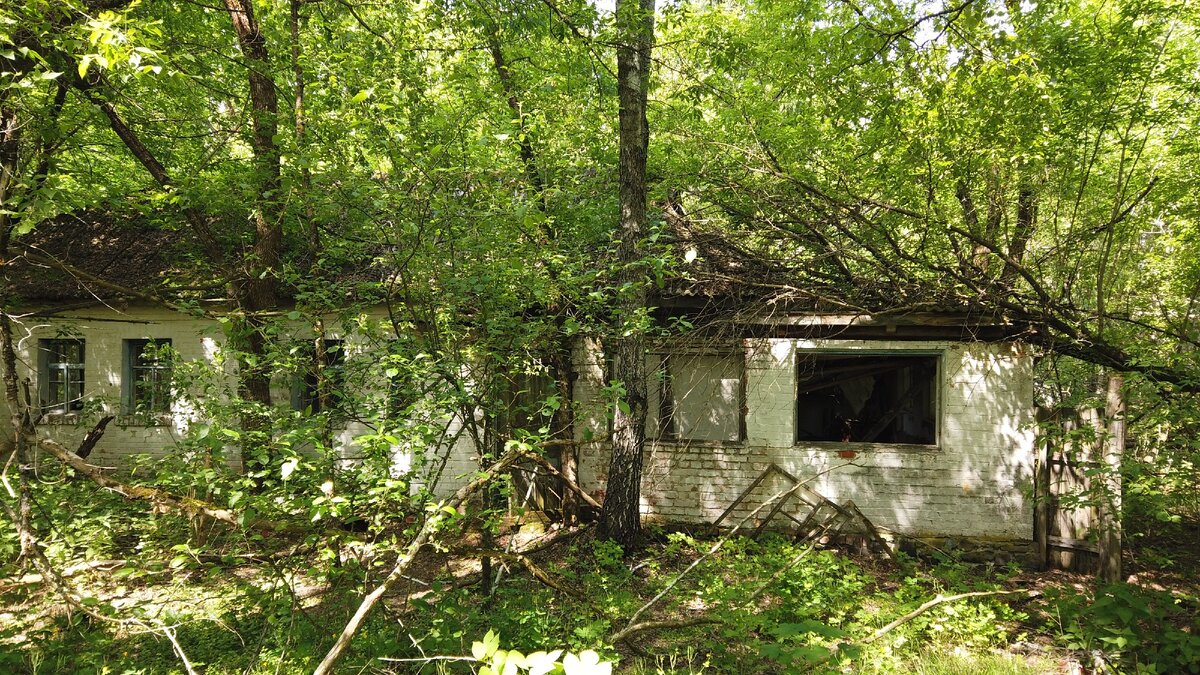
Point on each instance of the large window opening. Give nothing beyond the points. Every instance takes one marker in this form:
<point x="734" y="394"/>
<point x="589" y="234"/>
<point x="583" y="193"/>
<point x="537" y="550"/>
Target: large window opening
<point x="867" y="398"/>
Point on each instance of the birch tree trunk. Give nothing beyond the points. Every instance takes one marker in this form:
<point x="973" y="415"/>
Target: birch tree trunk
<point x="620" y="518"/>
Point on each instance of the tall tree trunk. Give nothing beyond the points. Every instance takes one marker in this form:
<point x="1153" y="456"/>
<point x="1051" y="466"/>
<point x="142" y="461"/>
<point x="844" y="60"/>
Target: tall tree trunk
<point x="620" y="519"/>
<point x="259" y="290"/>
<point x="19" y="420"/>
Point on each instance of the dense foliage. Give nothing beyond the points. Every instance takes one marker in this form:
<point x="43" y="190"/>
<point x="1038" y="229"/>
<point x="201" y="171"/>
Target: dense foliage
<point x="440" y="180"/>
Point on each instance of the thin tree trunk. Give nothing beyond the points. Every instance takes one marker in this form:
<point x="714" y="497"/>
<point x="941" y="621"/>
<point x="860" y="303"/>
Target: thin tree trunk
<point x="1110" y="503"/>
<point x="1026" y="221"/>
<point x="620" y="519"/>
<point x="559" y="357"/>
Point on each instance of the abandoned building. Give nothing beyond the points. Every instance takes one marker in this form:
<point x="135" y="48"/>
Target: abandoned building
<point x="925" y="420"/>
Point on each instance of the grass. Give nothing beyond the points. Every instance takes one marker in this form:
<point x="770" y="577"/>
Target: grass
<point x="231" y="615"/>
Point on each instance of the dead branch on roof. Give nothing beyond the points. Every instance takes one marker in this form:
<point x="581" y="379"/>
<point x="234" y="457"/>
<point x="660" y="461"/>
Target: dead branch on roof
<point x="36" y="255"/>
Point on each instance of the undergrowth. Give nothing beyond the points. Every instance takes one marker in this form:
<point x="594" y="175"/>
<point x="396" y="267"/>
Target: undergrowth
<point x="259" y="605"/>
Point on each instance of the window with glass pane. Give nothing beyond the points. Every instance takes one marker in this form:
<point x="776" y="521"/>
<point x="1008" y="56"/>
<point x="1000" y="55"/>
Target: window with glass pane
<point x="701" y="397"/>
<point x="62" y="368"/>
<point x="148" y="369"/>
<point x="867" y="398"/>
<point x="308" y="394"/>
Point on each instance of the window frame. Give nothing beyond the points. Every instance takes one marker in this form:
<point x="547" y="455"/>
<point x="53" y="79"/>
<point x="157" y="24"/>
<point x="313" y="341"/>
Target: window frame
<point x="133" y="350"/>
<point x="306" y="397"/>
<point x="938" y="405"/>
<point x="664" y="415"/>
<point x="46" y="368"/>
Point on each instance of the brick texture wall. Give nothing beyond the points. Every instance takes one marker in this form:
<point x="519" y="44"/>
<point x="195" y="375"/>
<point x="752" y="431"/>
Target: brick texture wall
<point x="975" y="482"/>
<point x="105" y="329"/>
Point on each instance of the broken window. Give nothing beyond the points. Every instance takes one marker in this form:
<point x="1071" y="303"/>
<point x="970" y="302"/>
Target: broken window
<point x="700" y="396"/>
<point x="867" y="398"/>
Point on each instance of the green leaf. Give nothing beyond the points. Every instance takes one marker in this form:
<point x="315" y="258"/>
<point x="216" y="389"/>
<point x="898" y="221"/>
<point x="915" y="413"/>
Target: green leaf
<point x="288" y="468"/>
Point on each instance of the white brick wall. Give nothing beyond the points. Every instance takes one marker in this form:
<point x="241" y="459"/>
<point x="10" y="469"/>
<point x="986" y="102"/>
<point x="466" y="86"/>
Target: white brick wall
<point x="106" y="328"/>
<point x="975" y="482"/>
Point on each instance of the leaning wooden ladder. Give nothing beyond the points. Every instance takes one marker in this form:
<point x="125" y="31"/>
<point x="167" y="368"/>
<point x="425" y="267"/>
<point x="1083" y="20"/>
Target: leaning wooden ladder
<point x="825" y="517"/>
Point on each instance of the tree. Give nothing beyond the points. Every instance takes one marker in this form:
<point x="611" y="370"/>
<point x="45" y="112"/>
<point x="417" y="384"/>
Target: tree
<point x="620" y="519"/>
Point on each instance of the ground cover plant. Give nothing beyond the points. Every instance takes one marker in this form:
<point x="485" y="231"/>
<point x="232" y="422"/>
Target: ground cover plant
<point x="398" y="221"/>
<point x="236" y="604"/>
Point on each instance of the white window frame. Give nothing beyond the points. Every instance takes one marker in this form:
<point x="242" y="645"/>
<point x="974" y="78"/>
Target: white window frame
<point x="47" y="368"/>
<point x="938" y="357"/>
<point x="132" y="354"/>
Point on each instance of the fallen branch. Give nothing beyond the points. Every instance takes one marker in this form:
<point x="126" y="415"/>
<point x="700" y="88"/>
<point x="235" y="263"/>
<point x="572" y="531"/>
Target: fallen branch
<point x="941" y="599"/>
<point x="424" y="535"/>
<point x="571" y="485"/>
<point x="187" y="663"/>
<point x="93" y="437"/>
<point x="160" y="499"/>
<point x="35" y="578"/>
<point x="537" y="572"/>
<point x="544" y="542"/>
<point x="644" y="626"/>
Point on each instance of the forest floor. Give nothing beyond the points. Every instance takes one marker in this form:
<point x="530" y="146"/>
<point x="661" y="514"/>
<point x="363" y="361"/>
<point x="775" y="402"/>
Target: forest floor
<point x="770" y="606"/>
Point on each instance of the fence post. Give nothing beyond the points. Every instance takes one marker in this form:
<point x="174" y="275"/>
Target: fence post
<point x="1110" y="504"/>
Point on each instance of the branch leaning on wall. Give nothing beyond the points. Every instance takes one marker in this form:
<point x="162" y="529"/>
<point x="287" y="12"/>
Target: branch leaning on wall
<point x="633" y="626"/>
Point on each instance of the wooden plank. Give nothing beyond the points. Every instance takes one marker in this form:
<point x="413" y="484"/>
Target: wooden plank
<point x="1041" y="497"/>
<point x="1109" y="512"/>
<point x="1073" y="544"/>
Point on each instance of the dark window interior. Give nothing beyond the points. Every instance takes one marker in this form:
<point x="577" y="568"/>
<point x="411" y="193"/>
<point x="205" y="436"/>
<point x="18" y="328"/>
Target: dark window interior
<point x="870" y="398"/>
<point x="63" y="371"/>
<point x="308" y="395"/>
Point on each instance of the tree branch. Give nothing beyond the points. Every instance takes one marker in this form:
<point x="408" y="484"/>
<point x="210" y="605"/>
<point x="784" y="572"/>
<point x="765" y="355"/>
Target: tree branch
<point x="940" y="599"/>
<point x="424" y="535"/>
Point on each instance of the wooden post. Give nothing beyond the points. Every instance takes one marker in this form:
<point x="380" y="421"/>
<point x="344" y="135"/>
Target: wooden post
<point x="1041" y="496"/>
<point x="1110" y="503"/>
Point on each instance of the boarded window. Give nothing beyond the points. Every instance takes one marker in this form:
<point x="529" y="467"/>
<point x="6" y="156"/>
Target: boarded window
<point x="61" y="366"/>
<point x="870" y="398"/>
<point x="700" y="397"/>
